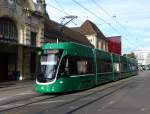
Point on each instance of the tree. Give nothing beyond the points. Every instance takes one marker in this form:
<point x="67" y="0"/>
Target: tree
<point x="130" y="55"/>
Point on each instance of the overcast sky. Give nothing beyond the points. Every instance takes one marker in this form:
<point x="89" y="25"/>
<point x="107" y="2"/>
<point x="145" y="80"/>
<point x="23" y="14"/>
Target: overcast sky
<point x="128" y="18"/>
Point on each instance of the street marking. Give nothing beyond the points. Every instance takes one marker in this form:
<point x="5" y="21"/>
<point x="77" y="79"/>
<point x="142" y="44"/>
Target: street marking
<point x="2" y="107"/>
<point x="1" y="99"/>
<point x="111" y="102"/>
<point x="24" y="93"/>
<point x="87" y="99"/>
<point x="74" y="107"/>
<point x="144" y="109"/>
<point x="48" y="102"/>
<point x="106" y="106"/>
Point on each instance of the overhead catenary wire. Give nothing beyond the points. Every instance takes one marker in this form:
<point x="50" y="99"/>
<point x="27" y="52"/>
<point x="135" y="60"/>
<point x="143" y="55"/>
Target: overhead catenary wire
<point x="61" y="9"/>
<point x="89" y="11"/>
<point x="122" y="26"/>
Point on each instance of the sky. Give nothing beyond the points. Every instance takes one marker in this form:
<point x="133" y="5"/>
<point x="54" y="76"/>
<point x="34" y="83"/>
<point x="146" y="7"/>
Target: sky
<point x="128" y="18"/>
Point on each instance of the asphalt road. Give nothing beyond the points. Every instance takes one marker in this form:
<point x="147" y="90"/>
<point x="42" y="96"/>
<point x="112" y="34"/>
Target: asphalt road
<point x="128" y="96"/>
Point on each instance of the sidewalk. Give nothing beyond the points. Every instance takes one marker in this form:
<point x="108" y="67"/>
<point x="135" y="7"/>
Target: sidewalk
<point x="8" y="84"/>
<point x="13" y="91"/>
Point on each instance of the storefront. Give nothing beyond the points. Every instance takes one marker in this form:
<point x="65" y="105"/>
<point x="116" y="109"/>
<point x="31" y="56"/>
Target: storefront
<point x="17" y="61"/>
<point x="8" y="52"/>
<point x="7" y="66"/>
<point x="21" y="35"/>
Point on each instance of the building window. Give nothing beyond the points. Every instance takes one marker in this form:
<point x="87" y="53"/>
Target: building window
<point x="102" y="45"/>
<point x="8" y="30"/>
<point x="33" y="38"/>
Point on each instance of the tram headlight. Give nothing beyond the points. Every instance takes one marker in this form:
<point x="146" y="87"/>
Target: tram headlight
<point x="53" y="88"/>
<point x="61" y="82"/>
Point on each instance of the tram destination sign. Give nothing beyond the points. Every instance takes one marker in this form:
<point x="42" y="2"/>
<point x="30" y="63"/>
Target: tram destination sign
<point x="51" y="51"/>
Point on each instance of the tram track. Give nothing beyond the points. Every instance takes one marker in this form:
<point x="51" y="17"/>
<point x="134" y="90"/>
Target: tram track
<point x="92" y="93"/>
<point x="97" y="99"/>
<point x="16" y="98"/>
<point x="33" y="100"/>
<point x="24" y="102"/>
<point x="105" y="94"/>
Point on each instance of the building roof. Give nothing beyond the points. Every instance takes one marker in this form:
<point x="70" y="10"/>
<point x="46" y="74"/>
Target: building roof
<point x="89" y="28"/>
<point x="54" y="29"/>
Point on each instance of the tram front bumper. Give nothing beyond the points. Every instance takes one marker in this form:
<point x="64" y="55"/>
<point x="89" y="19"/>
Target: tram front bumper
<point x="49" y="88"/>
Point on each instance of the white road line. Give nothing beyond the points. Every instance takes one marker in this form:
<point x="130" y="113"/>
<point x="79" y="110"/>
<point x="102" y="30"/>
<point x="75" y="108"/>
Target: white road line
<point x="16" y="95"/>
<point x="3" y="98"/>
<point x="144" y="109"/>
<point x="2" y="107"/>
<point x="25" y="93"/>
<point x="48" y="102"/>
<point x="111" y="102"/>
<point x="106" y="106"/>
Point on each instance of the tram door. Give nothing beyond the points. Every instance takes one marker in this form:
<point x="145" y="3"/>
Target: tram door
<point x="3" y="67"/>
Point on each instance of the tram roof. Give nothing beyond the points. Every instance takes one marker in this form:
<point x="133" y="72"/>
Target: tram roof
<point x="65" y="45"/>
<point x="73" y="48"/>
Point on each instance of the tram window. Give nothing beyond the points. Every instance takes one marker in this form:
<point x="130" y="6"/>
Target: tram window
<point x="116" y="67"/>
<point x="74" y="65"/>
<point x="82" y="67"/>
<point x="104" y="66"/>
<point x="124" y="67"/>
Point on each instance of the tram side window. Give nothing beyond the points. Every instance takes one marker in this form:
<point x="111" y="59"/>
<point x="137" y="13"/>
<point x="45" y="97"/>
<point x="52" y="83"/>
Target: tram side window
<point x="124" y="67"/>
<point x="74" y="65"/>
<point x="130" y="67"/>
<point x="134" y="67"/>
<point x="116" y="67"/>
<point x="82" y="67"/>
<point x="104" y="66"/>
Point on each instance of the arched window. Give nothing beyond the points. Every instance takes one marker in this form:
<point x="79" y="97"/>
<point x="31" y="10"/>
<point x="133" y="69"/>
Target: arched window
<point x="8" y="30"/>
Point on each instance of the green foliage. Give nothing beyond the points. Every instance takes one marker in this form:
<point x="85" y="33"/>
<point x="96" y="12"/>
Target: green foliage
<point x="130" y="55"/>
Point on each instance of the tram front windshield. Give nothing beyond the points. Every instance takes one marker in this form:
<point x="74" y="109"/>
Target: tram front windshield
<point x="48" y="65"/>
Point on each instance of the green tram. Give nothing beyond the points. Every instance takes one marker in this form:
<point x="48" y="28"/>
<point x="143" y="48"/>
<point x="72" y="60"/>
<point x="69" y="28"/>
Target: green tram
<point x="66" y="67"/>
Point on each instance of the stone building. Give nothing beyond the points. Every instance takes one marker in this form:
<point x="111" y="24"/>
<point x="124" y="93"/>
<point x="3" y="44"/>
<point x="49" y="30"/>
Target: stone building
<point x="143" y="56"/>
<point x="93" y="34"/>
<point x="21" y="35"/>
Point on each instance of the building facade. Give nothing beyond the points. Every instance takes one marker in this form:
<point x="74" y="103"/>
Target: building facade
<point x="21" y="35"/>
<point x="93" y="34"/>
<point x="114" y="44"/>
<point x="143" y="56"/>
<point x="55" y="32"/>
